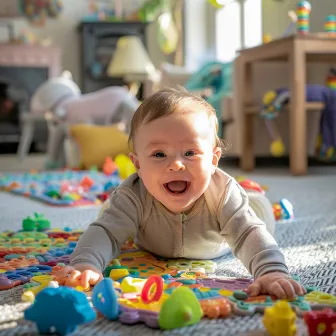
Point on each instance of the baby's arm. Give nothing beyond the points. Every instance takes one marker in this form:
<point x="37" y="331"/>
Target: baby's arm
<point x="100" y="243"/>
<point x="254" y="245"/>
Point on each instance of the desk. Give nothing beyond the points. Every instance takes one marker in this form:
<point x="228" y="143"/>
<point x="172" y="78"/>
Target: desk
<point x="297" y="50"/>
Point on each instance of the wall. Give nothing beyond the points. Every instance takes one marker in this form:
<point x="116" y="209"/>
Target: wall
<point x="63" y="32"/>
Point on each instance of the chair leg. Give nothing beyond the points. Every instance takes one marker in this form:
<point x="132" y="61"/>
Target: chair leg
<point x="25" y="139"/>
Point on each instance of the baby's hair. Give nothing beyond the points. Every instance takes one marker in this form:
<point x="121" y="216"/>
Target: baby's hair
<point x="163" y="103"/>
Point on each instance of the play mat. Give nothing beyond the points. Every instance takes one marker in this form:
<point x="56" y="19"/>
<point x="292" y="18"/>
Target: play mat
<point x="141" y="288"/>
<point x="62" y="188"/>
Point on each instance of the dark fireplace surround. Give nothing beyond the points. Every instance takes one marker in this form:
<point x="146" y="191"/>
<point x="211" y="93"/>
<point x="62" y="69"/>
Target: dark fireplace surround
<point x="23" y="69"/>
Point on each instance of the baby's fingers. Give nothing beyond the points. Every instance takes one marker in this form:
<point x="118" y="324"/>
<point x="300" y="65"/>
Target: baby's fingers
<point x="277" y="290"/>
<point x="299" y="289"/>
<point x="89" y="278"/>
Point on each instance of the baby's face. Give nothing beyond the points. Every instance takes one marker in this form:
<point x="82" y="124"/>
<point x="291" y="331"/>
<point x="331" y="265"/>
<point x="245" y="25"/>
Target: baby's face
<point x="175" y="157"/>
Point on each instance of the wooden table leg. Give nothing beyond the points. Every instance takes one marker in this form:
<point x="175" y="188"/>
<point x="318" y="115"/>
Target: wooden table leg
<point x="297" y="113"/>
<point x="247" y="157"/>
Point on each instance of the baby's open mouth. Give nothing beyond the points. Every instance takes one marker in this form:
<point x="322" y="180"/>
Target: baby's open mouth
<point x="177" y="187"/>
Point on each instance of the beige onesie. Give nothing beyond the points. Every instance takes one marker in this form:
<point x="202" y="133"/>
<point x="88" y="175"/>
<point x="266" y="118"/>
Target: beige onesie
<point x="220" y="221"/>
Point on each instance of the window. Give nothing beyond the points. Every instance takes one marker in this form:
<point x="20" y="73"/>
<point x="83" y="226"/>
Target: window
<point x="238" y="26"/>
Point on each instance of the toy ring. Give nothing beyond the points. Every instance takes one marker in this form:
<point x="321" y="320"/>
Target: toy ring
<point x="156" y="281"/>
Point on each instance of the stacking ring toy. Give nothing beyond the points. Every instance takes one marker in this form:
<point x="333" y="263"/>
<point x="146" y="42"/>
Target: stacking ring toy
<point x="146" y="295"/>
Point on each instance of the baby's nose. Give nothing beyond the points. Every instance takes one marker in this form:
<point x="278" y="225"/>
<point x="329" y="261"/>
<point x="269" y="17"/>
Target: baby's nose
<point x="176" y="165"/>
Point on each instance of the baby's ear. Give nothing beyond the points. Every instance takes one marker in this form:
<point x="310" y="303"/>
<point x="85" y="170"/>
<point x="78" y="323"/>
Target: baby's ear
<point x="135" y="161"/>
<point x="216" y="155"/>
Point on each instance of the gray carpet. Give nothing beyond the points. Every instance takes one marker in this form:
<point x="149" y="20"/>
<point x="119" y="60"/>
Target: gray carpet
<point x="308" y="243"/>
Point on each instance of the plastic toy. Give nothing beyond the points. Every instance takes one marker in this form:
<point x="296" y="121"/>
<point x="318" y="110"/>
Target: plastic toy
<point x="104" y="299"/>
<point x="216" y="308"/>
<point x="283" y="210"/>
<point x="303" y="10"/>
<point x="60" y="310"/>
<point x="331" y="79"/>
<point x="145" y="285"/>
<point x="330" y="25"/>
<point x="146" y="293"/>
<point x="38" y="222"/>
<point x="109" y="166"/>
<point x="181" y="309"/>
<point x="279" y="320"/>
<point x="320" y="323"/>
<point x="125" y="166"/>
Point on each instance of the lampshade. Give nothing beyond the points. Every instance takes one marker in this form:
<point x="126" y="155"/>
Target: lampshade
<point x="130" y="60"/>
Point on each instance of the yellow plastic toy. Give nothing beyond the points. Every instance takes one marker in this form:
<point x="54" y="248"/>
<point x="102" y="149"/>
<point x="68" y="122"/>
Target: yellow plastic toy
<point x="125" y="166"/>
<point x="117" y="274"/>
<point x="132" y="285"/>
<point x="277" y="148"/>
<point x="279" y="320"/>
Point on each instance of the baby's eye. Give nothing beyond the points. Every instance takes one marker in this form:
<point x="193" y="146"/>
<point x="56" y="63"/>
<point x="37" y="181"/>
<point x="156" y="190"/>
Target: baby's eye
<point x="159" y="154"/>
<point x="189" y="153"/>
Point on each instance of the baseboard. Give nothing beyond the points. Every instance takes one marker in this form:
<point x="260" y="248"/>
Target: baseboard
<point x="269" y="161"/>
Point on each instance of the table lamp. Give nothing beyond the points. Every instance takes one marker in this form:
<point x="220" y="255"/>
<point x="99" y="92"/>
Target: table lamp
<point x="131" y="62"/>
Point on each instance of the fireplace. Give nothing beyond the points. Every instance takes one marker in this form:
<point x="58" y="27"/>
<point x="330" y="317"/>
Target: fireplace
<point x="23" y="69"/>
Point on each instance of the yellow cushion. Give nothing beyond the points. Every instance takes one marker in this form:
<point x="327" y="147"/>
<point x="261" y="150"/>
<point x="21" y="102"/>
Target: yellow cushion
<point x="95" y="143"/>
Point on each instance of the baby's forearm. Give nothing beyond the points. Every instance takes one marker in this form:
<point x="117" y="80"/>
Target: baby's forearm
<point x="95" y="247"/>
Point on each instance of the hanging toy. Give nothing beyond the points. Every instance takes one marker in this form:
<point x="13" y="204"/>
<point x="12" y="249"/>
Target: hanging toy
<point x="272" y="102"/>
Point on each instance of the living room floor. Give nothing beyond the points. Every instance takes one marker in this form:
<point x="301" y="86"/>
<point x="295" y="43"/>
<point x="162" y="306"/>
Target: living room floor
<point x="308" y="242"/>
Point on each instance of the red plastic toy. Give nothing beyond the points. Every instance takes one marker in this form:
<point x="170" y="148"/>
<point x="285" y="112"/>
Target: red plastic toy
<point x="157" y="282"/>
<point x="320" y="323"/>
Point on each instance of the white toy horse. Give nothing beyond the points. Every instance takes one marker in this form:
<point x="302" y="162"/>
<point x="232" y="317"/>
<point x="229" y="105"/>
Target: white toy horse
<point x="61" y="102"/>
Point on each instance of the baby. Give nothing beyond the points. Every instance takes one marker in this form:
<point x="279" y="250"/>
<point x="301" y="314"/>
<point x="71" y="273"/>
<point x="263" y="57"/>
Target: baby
<point x="179" y="204"/>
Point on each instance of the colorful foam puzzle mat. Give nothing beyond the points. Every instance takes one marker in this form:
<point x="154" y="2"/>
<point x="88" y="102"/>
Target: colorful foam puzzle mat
<point x="137" y="286"/>
<point x="61" y="188"/>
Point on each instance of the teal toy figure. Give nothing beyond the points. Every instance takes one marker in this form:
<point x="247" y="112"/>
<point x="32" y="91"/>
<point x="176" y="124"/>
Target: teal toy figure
<point x="105" y="299"/>
<point x="181" y="309"/>
<point x="60" y="310"/>
<point x="213" y="81"/>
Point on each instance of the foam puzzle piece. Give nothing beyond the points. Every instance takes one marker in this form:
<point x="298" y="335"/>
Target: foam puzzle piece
<point x="27" y="256"/>
<point x="60" y="310"/>
<point x="61" y="188"/>
<point x="133" y="316"/>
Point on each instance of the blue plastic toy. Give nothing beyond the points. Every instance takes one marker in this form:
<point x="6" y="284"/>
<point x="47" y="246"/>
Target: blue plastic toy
<point x="60" y="310"/>
<point x="217" y="77"/>
<point x="104" y="298"/>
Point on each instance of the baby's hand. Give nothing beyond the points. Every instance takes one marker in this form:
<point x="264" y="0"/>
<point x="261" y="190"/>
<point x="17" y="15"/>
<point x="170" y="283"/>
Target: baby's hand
<point x="278" y="284"/>
<point x="85" y="274"/>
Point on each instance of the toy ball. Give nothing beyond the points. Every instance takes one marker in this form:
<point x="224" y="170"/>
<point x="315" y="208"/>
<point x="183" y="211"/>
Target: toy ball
<point x="277" y="148"/>
<point x="216" y="3"/>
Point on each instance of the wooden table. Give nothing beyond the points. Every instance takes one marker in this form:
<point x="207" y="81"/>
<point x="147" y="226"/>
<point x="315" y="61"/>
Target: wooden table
<point x="297" y="50"/>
